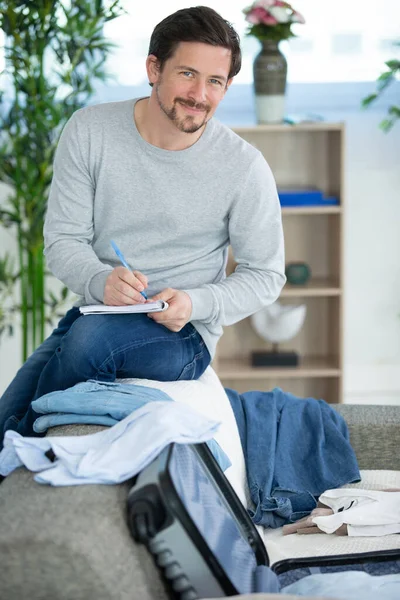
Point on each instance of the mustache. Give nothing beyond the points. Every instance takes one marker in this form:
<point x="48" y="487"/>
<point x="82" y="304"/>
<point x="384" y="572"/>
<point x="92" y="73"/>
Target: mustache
<point x="193" y="104"/>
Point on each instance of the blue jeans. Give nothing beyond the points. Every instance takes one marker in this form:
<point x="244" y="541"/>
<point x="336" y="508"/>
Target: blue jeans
<point x="100" y="347"/>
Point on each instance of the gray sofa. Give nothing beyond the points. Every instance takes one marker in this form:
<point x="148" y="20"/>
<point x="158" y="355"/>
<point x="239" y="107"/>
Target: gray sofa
<point x="73" y="543"/>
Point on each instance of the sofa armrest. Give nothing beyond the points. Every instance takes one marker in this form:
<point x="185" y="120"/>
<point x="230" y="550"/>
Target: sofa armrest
<point x="374" y="434"/>
<point x="70" y="543"/>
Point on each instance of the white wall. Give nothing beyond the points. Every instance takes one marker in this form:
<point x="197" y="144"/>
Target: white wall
<point x="372" y="262"/>
<point x="372" y="265"/>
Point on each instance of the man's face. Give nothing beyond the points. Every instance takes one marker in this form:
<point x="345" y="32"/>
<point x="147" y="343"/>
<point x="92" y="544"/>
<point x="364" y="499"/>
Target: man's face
<point x="192" y="83"/>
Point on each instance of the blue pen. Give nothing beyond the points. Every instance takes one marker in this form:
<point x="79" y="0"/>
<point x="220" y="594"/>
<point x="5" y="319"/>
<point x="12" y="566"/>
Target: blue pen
<point x="123" y="261"/>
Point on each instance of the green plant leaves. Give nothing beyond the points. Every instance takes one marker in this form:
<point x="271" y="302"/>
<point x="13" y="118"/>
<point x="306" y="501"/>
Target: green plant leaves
<point x="368" y="100"/>
<point x="394" y="65"/>
<point x="55" y="51"/>
<point x="383" y="81"/>
<point x="275" y="33"/>
<point x="8" y="306"/>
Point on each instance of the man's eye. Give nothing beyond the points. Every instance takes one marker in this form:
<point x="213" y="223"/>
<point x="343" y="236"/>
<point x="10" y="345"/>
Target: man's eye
<point x="215" y="82"/>
<point x="187" y="73"/>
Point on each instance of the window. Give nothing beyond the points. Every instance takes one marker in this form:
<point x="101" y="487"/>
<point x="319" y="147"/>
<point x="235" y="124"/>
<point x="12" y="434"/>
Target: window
<point x="341" y="41"/>
<point x="342" y="46"/>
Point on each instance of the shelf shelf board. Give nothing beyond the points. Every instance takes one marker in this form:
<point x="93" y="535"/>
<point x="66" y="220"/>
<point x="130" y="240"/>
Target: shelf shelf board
<point x="240" y="368"/>
<point x="311" y="210"/>
<point x="285" y="127"/>
<point x="317" y="286"/>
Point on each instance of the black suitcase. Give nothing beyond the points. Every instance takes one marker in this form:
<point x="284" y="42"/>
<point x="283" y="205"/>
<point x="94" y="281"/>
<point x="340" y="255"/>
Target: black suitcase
<point x="185" y="511"/>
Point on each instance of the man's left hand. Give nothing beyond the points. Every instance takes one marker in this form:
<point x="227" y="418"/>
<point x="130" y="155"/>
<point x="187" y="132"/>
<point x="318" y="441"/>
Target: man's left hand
<point x="178" y="312"/>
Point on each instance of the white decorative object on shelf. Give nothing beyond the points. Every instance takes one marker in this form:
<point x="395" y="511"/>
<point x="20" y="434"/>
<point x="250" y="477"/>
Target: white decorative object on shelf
<point x="279" y="322"/>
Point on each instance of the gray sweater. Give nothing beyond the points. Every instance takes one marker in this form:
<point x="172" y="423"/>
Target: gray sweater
<point x="172" y="213"/>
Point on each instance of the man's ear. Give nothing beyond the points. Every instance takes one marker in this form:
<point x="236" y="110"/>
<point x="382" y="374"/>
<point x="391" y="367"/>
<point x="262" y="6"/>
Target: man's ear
<point x="152" y="68"/>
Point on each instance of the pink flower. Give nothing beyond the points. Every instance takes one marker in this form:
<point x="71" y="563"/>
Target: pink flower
<point x="297" y="18"/>
<point x="272" y="12"/>
<point x="254" y="16"/>
<point x="259" y="16"/>
<point x="269" y="20"/>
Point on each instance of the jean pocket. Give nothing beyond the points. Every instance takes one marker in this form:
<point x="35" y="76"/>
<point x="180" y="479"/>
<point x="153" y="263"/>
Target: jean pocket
<point x="189" y="371"/>
<point x="11" y="423"/>
<point x="197" y="366"/>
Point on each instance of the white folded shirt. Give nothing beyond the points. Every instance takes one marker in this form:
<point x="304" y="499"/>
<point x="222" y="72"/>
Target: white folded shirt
<point x="110" y="456"/>
<point x="366" y="512"/>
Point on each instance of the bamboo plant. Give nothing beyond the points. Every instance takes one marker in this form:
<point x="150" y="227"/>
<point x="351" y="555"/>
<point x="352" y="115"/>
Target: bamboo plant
<point x="55" y="52"/>
<point x="7" y="295"/>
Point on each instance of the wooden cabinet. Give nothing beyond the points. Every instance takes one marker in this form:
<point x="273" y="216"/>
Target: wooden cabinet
<point x="306" y="155"/>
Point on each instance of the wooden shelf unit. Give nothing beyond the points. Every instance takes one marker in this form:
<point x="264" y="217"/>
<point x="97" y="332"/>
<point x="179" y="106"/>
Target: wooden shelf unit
<point x="311" y="210"/>
<point x="310" y="366"/>
<point x="317" y="286"/>
<point x="304" y="155"/>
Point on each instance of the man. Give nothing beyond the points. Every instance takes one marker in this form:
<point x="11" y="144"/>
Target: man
<point x="174" y="188"/>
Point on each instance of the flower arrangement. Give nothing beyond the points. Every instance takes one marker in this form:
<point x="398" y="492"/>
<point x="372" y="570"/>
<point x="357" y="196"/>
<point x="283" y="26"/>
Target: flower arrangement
<point x="272" y="19"/>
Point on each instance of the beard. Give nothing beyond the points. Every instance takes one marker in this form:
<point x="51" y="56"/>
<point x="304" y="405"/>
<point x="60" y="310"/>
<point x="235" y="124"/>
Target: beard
<point x="186" y="124"/>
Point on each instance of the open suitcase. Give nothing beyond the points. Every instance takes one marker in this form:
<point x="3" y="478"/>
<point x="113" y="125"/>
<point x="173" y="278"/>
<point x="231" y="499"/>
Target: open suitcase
<point x="202" y="539"/>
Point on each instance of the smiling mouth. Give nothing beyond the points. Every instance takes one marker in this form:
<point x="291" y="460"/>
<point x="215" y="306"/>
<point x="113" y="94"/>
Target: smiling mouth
<point x="192" y="109"/>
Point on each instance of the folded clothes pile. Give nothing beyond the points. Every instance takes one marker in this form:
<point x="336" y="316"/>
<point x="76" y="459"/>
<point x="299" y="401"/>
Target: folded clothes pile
<point x="146" y="421"/>
<point x="291" y="448"/>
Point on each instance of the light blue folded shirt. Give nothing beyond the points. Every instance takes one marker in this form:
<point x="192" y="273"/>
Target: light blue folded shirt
<point x="102" y="403"/>
<point x="115" y="400"/>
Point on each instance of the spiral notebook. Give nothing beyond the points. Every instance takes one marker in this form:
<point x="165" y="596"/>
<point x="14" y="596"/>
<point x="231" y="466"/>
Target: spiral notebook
<point x="102" y="309"/>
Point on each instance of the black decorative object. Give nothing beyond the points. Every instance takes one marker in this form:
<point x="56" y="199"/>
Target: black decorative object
<point x="274" y="358"/>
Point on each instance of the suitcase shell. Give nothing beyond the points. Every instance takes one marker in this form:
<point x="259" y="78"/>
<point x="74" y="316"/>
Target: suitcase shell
<point x="183" y="508"/>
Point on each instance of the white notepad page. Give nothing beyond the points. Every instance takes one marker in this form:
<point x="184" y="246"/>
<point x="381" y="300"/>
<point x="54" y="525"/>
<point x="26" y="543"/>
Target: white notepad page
<point x="102" y="309"/>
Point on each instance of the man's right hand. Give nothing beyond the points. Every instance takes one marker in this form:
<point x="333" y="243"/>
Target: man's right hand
<point x="124" y="286"/>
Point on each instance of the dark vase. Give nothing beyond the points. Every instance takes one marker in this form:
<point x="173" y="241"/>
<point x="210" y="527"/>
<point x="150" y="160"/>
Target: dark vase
<point x="297" y="273"/>
<point x="270" y="72"/>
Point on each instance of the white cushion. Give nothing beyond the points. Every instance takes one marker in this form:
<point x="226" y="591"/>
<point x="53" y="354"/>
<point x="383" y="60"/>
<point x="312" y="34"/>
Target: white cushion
<point x="208" y="397"/>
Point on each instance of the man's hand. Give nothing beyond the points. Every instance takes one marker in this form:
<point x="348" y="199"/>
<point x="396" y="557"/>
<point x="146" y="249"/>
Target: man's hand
<point x="179" y="311"/>
<point x="123" y="287"/>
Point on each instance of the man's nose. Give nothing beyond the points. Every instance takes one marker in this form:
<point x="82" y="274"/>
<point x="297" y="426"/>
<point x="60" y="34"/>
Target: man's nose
<point x="199" y="91"/>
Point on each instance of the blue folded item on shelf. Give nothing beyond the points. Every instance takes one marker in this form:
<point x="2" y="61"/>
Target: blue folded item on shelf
<point x="305" y="197"/>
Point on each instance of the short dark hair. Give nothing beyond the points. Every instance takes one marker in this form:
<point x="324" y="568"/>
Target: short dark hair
<point x="195" y="24"/>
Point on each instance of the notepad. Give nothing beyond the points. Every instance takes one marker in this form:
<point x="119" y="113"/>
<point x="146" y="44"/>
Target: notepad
<point x="102" y="309"/>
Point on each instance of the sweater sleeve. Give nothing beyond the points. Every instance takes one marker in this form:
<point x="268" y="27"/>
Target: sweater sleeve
<point x="68" y="229"/>
<point x="256" y="238"/>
